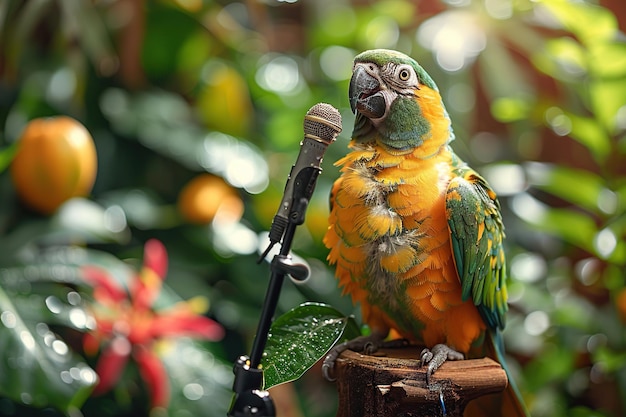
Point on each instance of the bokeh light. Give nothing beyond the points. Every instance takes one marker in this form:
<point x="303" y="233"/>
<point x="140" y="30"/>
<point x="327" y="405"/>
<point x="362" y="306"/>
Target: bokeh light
<point x="455" y="38"/>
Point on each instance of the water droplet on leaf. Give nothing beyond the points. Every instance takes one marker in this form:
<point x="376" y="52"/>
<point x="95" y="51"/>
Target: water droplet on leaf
<point x="8" y="319"/>
<point x="54" y="304"/>
<point x="193" y="391"/>
<point x="74" y="298"/>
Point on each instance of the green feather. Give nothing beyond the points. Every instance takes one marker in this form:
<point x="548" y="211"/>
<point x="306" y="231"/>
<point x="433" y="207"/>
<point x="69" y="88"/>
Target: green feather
<point x="405" y="127"/>
<point x="481" y="282"/>
<point x="383" y="56"/>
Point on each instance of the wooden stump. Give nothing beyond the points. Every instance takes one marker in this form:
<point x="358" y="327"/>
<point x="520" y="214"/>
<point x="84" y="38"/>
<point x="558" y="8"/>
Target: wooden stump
<point x="392" y="384"/>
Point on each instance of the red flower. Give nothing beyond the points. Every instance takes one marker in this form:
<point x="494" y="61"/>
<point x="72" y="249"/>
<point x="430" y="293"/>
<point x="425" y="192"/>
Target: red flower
<point x="127" y="326"/>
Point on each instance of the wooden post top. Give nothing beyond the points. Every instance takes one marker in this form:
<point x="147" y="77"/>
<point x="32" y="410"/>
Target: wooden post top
<point x="391" y="384"/>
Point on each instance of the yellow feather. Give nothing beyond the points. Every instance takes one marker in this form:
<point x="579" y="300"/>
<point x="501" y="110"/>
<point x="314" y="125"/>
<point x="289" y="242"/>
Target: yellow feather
<point x="353" y="157"/>
<point x="376" y="222"/>
<point x="350" y="237"/>
<point x="400" y="260"/>
<point x="345" y="199"/>
<point x="354" y="255"/>
<point x="401" y="205"/>
<point x="392" y="176"/>
<point x="410" y="163"/>
<point x="386" y="160"/>
<point x="358" y="185"/>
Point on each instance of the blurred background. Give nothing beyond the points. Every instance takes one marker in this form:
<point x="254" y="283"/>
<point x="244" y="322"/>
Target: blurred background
<point x="195" y="108"/>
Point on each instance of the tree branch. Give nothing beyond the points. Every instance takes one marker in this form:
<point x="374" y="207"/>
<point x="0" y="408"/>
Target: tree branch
<point x="394" y="384"/>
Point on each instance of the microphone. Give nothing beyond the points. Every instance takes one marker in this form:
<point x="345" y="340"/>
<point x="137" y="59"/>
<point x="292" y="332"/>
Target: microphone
<point x="322" y="124"/>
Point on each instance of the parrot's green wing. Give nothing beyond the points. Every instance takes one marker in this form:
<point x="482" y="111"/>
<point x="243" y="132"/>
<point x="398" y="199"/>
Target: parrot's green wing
<point x="476" y="233"/>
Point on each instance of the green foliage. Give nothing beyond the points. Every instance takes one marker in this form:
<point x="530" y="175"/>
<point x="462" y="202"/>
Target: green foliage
<point x="6" y="156"/>
<point x="199" y="381"/>
<point x="300" y="337"/>
<point x="38" y="368"/>
<point x="154" y="87"/>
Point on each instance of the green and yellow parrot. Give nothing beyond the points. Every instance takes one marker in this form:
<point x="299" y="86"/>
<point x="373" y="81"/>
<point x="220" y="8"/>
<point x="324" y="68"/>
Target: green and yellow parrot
<point x="415" y="234"/>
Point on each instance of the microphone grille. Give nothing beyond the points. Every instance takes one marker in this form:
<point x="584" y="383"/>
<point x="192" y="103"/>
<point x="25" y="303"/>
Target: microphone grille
<point x="323" y="122"/>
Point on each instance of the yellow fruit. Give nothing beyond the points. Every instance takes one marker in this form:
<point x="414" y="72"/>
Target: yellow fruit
<point x="55" y="161"/>
<point x="224" y="102"/>
<point x="207" y="197"/>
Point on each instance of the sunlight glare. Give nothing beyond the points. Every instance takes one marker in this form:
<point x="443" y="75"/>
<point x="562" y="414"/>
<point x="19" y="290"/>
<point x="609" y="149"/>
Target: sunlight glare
<point x="528" y="208"/>
<point x="454" y="37"/>
<point x="536" y="323"/>
<point x="506" y="179"/>
<point x="280" y="75"/>
<point x="605" y="242"/>
<point x="528" y="267"/>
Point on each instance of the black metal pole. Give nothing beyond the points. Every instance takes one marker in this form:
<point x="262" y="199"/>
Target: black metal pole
<point x="249" y="399"/>
<point x="271" y="297"/>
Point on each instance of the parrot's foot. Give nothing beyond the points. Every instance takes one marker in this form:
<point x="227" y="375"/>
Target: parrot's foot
<point x="436" y="356"/>
<point x="364" y="344"/>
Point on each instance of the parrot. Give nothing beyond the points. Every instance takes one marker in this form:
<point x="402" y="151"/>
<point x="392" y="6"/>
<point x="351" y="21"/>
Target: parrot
<point x="415" y="234"/>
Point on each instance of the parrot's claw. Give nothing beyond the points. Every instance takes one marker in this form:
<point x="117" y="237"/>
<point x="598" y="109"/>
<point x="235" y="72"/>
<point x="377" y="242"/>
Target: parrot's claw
<point x="364" y="344"/>
<point x="436" y="356"/>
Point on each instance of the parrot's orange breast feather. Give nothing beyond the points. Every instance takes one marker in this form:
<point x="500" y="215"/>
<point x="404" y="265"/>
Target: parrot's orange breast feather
<point x="389" y="240"/>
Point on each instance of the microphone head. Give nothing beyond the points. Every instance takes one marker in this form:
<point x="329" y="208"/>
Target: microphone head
<point x="322" y="122"/>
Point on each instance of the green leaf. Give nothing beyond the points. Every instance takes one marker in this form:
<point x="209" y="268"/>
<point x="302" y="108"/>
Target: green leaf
<point x="60" y="265"/>
<point x="587" y="21"/>
<point x="83" y="218"/>
<point x="609" y="359"/>
<point x="608" y="59"/>
<point x="571" y="226"/>
<point x="160" y="47"/>
<point x="580" y="187"/>
<point x="300" y="337"/>
<point x="567" y="55"/>
<point x="200" y="382"/>
<point x="83" y="23"/>
<point x="502" y="77"/>
<point x="582" y="411"/>
<point x="510" y="109"/>
<point x="589" y="133"/>
<point x="37" y="368"/>
<point x="555" y="363"/>
<point x="6" y="156"/>
<point x="573" y="313"/>
<point x="402" y="12"/>
<point x="607" y="96"/>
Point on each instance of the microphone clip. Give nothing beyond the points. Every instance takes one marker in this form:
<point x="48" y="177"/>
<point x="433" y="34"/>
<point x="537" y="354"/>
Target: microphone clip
<point x="283" y="264"/>
<point x="303" y="186"/>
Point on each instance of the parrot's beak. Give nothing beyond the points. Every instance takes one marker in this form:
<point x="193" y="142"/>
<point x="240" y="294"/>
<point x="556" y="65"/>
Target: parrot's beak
<point x="365" y="94"/>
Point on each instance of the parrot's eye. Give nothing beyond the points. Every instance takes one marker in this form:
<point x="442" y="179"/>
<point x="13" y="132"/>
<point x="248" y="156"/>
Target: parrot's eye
<point x="404" y="74"/>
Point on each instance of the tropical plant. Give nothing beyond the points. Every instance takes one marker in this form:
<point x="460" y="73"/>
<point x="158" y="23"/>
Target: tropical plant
<point x="171" y="89"/>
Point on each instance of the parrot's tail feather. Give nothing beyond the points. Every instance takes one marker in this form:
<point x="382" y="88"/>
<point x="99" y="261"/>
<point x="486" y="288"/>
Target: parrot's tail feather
<point x="510" y="403"/>
<point x="507" y="404"/>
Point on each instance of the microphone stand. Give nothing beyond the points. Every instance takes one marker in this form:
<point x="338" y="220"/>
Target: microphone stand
<point x="250" y="399"/>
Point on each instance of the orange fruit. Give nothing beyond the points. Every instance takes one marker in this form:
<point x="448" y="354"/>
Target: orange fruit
<point x="206" y="198"/>
<point x="55" y="161"/>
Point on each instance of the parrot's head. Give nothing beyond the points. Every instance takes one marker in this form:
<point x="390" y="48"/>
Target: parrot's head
<point x="395" y="98"/>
